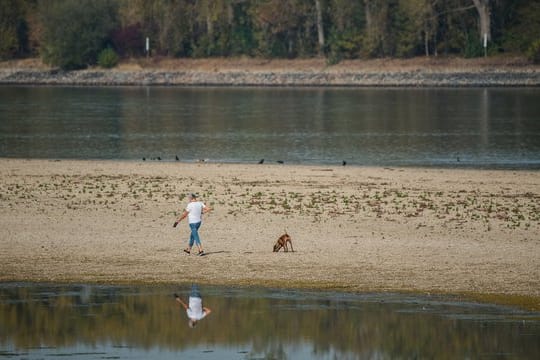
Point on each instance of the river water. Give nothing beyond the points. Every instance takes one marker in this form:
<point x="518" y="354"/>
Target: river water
<point x="111" y="322"/>
<point x="481" y="128"/>
<point x="450" y="127"/>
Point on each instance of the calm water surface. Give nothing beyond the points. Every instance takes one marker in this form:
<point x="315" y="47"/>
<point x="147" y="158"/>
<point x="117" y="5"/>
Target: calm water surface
<point x="404" y="126"/>
<point x="427" y="127"/>
<point x="106" y="322"/>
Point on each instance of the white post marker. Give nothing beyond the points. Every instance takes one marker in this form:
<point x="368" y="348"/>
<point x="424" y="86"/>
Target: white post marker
<point x="147" y="48"/>
<point x="485" y="45"/>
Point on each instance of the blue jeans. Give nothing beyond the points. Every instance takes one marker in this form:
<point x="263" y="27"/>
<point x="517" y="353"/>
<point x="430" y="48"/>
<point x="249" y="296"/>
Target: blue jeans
<point x="194" y="237"/>
<point x="195" y="291"/>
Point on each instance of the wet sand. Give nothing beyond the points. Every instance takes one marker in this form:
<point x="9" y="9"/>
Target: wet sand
<point x="474" y="232"/>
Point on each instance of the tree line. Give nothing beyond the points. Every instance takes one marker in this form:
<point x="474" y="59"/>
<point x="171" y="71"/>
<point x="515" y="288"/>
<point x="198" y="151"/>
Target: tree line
<point x="73" y="34"/>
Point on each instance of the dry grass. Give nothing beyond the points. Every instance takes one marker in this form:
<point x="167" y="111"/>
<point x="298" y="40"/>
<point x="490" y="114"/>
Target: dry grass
<point x="440" y="63"/>
<point x="29" y="64"/>
<point x="320" y="64"/>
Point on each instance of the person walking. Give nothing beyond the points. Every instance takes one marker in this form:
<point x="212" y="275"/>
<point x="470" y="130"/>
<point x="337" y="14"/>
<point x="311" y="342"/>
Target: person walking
<point x="194" y="211"/>
<point x="194" y="308"/>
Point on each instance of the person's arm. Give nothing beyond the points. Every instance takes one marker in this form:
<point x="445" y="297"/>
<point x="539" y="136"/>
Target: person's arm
<point x="206" y="310"/>
<point x="183" y="216"/>
<point x="181" y="302"/>
<point x="206" y="209"/>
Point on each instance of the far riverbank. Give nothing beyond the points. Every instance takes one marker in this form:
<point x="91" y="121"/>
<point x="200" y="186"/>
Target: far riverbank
<point x="419" y="72"/>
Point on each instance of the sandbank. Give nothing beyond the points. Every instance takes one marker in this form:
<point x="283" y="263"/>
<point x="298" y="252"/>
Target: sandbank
<point x="427" y="230"/>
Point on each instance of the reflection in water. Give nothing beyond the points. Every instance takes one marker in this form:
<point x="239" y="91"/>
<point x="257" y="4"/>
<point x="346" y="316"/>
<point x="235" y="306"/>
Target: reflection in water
<point x="195" y="310"/>
<point x="374" y="126"/>
<point x="126" y="322"/>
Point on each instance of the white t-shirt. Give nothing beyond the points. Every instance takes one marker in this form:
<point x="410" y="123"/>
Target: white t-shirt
<point x="195" y="310"/>
<point x="194" y="210"/>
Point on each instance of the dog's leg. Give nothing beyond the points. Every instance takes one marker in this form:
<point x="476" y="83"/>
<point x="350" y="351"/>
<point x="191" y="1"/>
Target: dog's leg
<point x="290" y="242"/>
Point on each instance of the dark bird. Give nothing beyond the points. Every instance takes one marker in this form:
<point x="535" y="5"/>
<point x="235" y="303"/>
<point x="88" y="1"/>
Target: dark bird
<point x="176" y="157"/>
<point x="159" y="158"/>
<point x="458" y="160"/>
<point x="261" y="161"/>
<point x="344" y="163"/>
<point x="280" y="161"/>
<point x="143" y="159"/>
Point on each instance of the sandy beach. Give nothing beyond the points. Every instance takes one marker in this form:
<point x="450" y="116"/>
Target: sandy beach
<point x="453" y="231"/>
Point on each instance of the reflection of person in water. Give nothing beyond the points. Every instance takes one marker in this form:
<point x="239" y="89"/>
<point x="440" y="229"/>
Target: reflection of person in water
<point x="195" y="310"/>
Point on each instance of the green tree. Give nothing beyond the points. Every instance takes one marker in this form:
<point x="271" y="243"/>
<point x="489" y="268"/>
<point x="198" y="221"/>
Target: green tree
<point x="75" y="31"/>
<point x="417" y="28"/>
<point x="285" y="28"/>
<point x="71" y="33"/>
<point x="346" y="24"/>
<point x="13" y="29"/>
<point x="242" y="39"/>
<point x="456" y="23"/>
<point x="381" y="18"/>
<point x="212" y="28"/>
<point x="523" y="26"/>
<point x="186" y="27"/>
<point x="174" y="28"/>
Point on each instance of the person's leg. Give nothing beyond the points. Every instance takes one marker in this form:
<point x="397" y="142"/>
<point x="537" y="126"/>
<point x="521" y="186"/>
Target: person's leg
<point x="195" y="235"/>
<point x="191" y="240"/>
<point x="195" y="291"/>
<point x="191" y="237"/>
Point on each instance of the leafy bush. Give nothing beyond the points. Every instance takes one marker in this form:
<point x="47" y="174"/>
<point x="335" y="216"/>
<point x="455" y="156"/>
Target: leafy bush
<point x="108" y="58"/>
<point x="533" y="52"/>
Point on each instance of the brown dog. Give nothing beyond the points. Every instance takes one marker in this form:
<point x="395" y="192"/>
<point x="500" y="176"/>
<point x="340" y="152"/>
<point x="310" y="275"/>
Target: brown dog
<point x="282" y="243"/>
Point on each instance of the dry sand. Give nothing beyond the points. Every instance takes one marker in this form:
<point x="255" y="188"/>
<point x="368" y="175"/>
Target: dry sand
<point x="473" y="232"/>
<point x="243" y="71"/>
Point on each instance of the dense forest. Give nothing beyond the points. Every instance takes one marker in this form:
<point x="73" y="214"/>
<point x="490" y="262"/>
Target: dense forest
<point x="73" y="34"/>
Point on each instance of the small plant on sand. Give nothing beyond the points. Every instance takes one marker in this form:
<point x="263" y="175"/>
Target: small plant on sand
<point x="108" y="58"/>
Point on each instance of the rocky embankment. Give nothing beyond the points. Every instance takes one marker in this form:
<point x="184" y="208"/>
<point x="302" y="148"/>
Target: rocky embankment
<point x="283" y="77"/>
